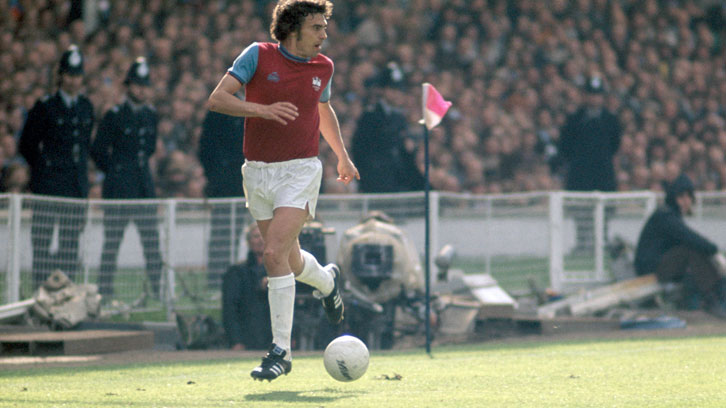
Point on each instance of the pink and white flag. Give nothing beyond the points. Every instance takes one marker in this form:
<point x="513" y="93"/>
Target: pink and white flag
<point x="434" y="106"/>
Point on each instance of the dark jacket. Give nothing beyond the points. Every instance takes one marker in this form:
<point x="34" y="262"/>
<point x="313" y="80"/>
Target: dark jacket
<point x="587" y="146"/>
<point x="380" y="155"/>
<point x="124" y="142"/>
<point x="245" y="308"/>
<point x="54" y="142"/>
<point x="220" y="152"/>
<point x="666" y="229"/>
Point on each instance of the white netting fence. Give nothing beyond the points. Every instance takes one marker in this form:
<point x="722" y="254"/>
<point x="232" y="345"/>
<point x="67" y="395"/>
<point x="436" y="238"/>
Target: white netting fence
<point x="162" y="255"/>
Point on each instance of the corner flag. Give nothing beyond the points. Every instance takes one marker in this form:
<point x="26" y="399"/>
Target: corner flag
<point x="434" y="106"/>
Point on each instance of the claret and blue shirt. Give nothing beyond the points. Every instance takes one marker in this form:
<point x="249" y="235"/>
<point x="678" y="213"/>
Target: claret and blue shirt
<point x="272" y="74"/>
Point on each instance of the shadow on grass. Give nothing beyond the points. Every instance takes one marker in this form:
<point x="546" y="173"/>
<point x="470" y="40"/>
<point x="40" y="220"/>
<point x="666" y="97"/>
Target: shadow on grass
<point x="310" y="397"/>
<point x="112" y="399"/>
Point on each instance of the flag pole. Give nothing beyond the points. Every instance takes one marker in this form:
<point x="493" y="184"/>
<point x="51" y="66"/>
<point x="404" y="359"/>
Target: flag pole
<point x="427" y="240"/>
<point x="434" y="107"/>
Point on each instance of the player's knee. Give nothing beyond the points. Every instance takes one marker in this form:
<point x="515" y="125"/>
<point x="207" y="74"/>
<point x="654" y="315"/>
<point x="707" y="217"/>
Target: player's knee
<point x="272" y="257"/>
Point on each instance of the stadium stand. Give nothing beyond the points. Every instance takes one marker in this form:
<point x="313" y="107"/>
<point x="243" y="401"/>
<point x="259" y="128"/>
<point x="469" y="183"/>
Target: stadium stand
<point x="513" y="70"/>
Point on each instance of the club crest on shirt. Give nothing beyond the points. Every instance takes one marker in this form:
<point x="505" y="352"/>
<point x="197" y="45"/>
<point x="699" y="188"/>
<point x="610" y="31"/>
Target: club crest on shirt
<point x="316" y="83"/>
<point x="273" y="77"/>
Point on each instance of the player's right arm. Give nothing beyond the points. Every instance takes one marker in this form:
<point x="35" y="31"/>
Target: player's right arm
<point x="223" y="99"/>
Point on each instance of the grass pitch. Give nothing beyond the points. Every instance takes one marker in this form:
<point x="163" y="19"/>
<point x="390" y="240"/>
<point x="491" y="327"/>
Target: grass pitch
<point x="661" y="372"/>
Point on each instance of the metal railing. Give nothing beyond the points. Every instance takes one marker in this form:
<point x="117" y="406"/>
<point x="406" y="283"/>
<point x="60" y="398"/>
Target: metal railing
<point x="556" y="238"/>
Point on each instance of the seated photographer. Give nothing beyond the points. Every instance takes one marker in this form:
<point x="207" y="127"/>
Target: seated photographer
<point x="245" y="309"/>
<point x="382" y="271"/>
<point x="676" y="253"/>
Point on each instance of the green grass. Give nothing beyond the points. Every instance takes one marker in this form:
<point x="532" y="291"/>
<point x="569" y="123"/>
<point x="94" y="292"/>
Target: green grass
<point x="514" y="273"/>
<point x="511" y="273"/>
<point x="682" y="372"/>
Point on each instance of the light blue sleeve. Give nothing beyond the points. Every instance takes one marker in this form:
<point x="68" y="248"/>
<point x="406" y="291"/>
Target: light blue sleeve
<point x="325" y="96"/>
<point x="245" y="64"/>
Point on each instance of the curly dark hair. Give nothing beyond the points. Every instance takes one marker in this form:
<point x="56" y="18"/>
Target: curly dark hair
<point x="289" y="15"/>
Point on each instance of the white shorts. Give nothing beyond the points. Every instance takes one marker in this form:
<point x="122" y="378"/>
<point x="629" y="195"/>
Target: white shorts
<point x="293" y="183"/>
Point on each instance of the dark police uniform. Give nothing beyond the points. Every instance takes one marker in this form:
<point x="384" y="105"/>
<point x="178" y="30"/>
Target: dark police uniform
<point x="54" y="142"/>
<point x="589" y="140"/>
<point x="588" y="145"/>
<point x="378" y="148"/>
<point x="220" y="153"/>
<point x="125" y="140"/>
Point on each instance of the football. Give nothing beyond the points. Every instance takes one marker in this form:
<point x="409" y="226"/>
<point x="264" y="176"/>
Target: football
<point x="346" y="358"/>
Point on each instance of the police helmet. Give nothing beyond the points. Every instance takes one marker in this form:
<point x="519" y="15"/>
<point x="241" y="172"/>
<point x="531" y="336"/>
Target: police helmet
<point x="138" y="73"/>
<point x="391" y="76"/>
<point x="71" y="61"/>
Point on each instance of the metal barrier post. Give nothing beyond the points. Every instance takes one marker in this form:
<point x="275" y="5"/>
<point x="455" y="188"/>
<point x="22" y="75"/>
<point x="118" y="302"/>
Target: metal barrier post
<point x="600" y="238"/>
<point x="556" y="215"/>
<point x="169" y="261"/>
<point x="13" y="276"/>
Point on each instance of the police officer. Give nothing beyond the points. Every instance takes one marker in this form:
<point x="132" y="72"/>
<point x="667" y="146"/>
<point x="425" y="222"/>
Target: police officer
<point x="220" y="153"/>
<point x="54" y="142"/>
<point x="589" y="140"/>
<point x="378" y="145"/>
<point x="125" y="140"/>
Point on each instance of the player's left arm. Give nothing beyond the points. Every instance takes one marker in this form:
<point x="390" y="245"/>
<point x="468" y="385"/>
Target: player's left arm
<point x="330" y="128"/>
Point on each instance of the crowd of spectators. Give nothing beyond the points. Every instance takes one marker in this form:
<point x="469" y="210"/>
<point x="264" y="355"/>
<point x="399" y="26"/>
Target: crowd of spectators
<point x="513" y="70"/>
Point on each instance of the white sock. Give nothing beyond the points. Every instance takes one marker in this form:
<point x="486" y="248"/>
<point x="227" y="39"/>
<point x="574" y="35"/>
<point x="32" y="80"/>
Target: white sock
<point x="315" y="275"/>
<point x="281" y="295"/>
